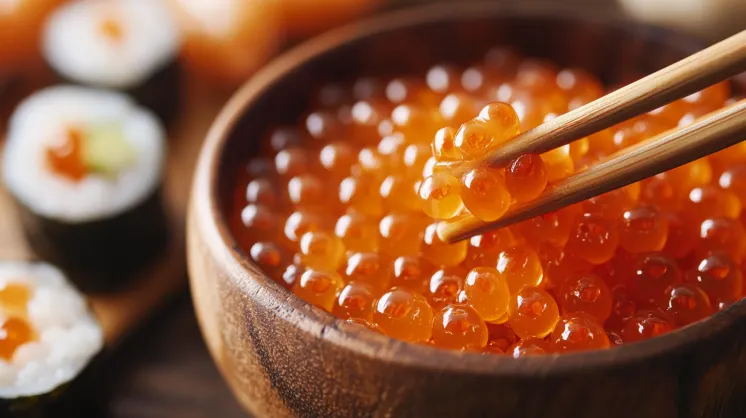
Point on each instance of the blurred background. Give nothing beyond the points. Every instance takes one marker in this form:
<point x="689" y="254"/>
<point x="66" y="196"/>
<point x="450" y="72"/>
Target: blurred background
<point x="164" y="370"/>
<point x="225" y="41"/>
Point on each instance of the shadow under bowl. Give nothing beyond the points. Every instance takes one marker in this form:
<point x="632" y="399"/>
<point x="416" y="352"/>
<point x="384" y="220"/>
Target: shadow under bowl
<point x="283" y="357"/>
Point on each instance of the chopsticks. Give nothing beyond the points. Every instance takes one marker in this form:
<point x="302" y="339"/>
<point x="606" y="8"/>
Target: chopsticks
<point x="708" y="134"/>
<point x="690" y="75"/>
<point x="671" y="149"/>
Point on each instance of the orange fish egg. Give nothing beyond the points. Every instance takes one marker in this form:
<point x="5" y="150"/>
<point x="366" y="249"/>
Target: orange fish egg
<point x="734" y="180"/>
<point x="259" y="222"/>
<point x="645" y="325"/>
<point x="577" y="332"/>
<point x="65" y="155"/>
<point x="558" y="164"/>
<point x="723" y="235"/>
<point x="14" y="298"/>
<point x="355" y="301"/>
<point x="580" y="86"/>
<point x="687" y="303"/>
<point x="15" y="333"/>
<point x="367" y="268"/>
<point x="501" y="120"/>
<point x="484" y="249"/>
<point x="268" y="257"/>
<point x="485" y="194"/>
<point x="442" y="78"/>
<point x="292" y="162"/>
<point x="305" y="191"/>
<point x="282" y="138"/>
<point x="290" y="276"/>
<point x="528" y="347"/>
<point x="643" y="229"/>
<point x="439" y="196"/>
<point x="358" y="232"/>
<point x="439" y="252"/>
<point x="533" y="312"/>
<point x="323" y="126"/>
<point x="659" y="191"/>
<point x="417" y="124"/>
<point x="652" y="275"/>
<point x="520" y="266"/>
<point x="446" y="286"/>
<point x="459" y="327"/>
<point x="500" y="336"/>
<point x="401" y="234"/>
<point x="336" y="159"/>
<point x="361" y="193"/>
<point x="487" y="292"/>
<point x="612" y="205"/>
<point x="321" y="251"/>
<point x="261" y="192"/>
<point x="474" y="139"/>
<point x="553" y="227"/>
<point x="682" y="236"/>
<point x="711" y="202"/>
<point x="719" y="277"/>
<point x="414" y="158"/>
<point x="586" y="293"/>
<point x="526" y="177"/>
<point x="403" y="314"/>
<point x="298" y="224"/>
<point x="366" y="120"/>
<point x="444" y="146"/>
<point x="400" y="193"/>
<point x="456" y="109"/>
<point x="319" y="288"/>
<point x="593" y="239"/>
<point x="697" y="173"/>
<point x="411" y="272"/>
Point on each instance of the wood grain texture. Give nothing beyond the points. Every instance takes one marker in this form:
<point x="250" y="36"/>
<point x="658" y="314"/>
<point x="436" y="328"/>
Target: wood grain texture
<point x="709" y="66"/>
<point x="707" y="135"/>
<point x="164" y="371"/>
<point x="282" y="357"/>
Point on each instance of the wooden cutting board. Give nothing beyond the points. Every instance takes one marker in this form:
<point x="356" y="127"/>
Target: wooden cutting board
<point x="121" y="312"/>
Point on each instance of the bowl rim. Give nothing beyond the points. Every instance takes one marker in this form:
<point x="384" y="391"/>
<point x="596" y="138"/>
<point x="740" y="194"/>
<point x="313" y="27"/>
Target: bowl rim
<point x="307" y="318"/>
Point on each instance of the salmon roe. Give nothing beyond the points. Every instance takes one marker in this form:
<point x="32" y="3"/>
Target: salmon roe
<point x="343" y="210"/>
<point x="65" y="155"/>
<point x="15" y="331"/>
<point x="14" y="298"/>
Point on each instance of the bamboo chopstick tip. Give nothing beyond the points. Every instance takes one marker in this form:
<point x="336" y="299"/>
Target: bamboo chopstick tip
<point x="445" y="232"/>
<point x="452" y="231"/>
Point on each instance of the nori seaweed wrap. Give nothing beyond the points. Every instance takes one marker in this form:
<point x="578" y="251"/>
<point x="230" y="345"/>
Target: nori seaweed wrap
<point x="125" y="45"/>
<point x="49" y="346"/>
<point x="85" y="167"/>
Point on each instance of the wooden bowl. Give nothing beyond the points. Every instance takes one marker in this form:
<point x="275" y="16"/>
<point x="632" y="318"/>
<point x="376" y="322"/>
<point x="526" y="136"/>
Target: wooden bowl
<point x="283" y="357"/>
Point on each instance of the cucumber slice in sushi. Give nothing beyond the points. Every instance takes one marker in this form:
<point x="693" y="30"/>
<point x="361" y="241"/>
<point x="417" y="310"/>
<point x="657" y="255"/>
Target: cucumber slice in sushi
<point x="105" y="150"/>
<point x="85" y="167"/>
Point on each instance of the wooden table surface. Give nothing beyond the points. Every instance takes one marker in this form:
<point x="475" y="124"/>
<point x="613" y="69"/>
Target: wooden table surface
<point x="164" y="371"/>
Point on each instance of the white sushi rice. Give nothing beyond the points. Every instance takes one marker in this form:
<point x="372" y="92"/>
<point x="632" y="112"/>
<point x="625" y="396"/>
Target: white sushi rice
<point x="48" y="113"/>
<point x="74" y="45"/>
<point x="68" y="334"/>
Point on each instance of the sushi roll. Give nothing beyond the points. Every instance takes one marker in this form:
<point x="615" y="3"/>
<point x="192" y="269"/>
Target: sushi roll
<point x="125" y="45"/>
<point x="48" y="340"/>
<point x="85" y="167"/>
